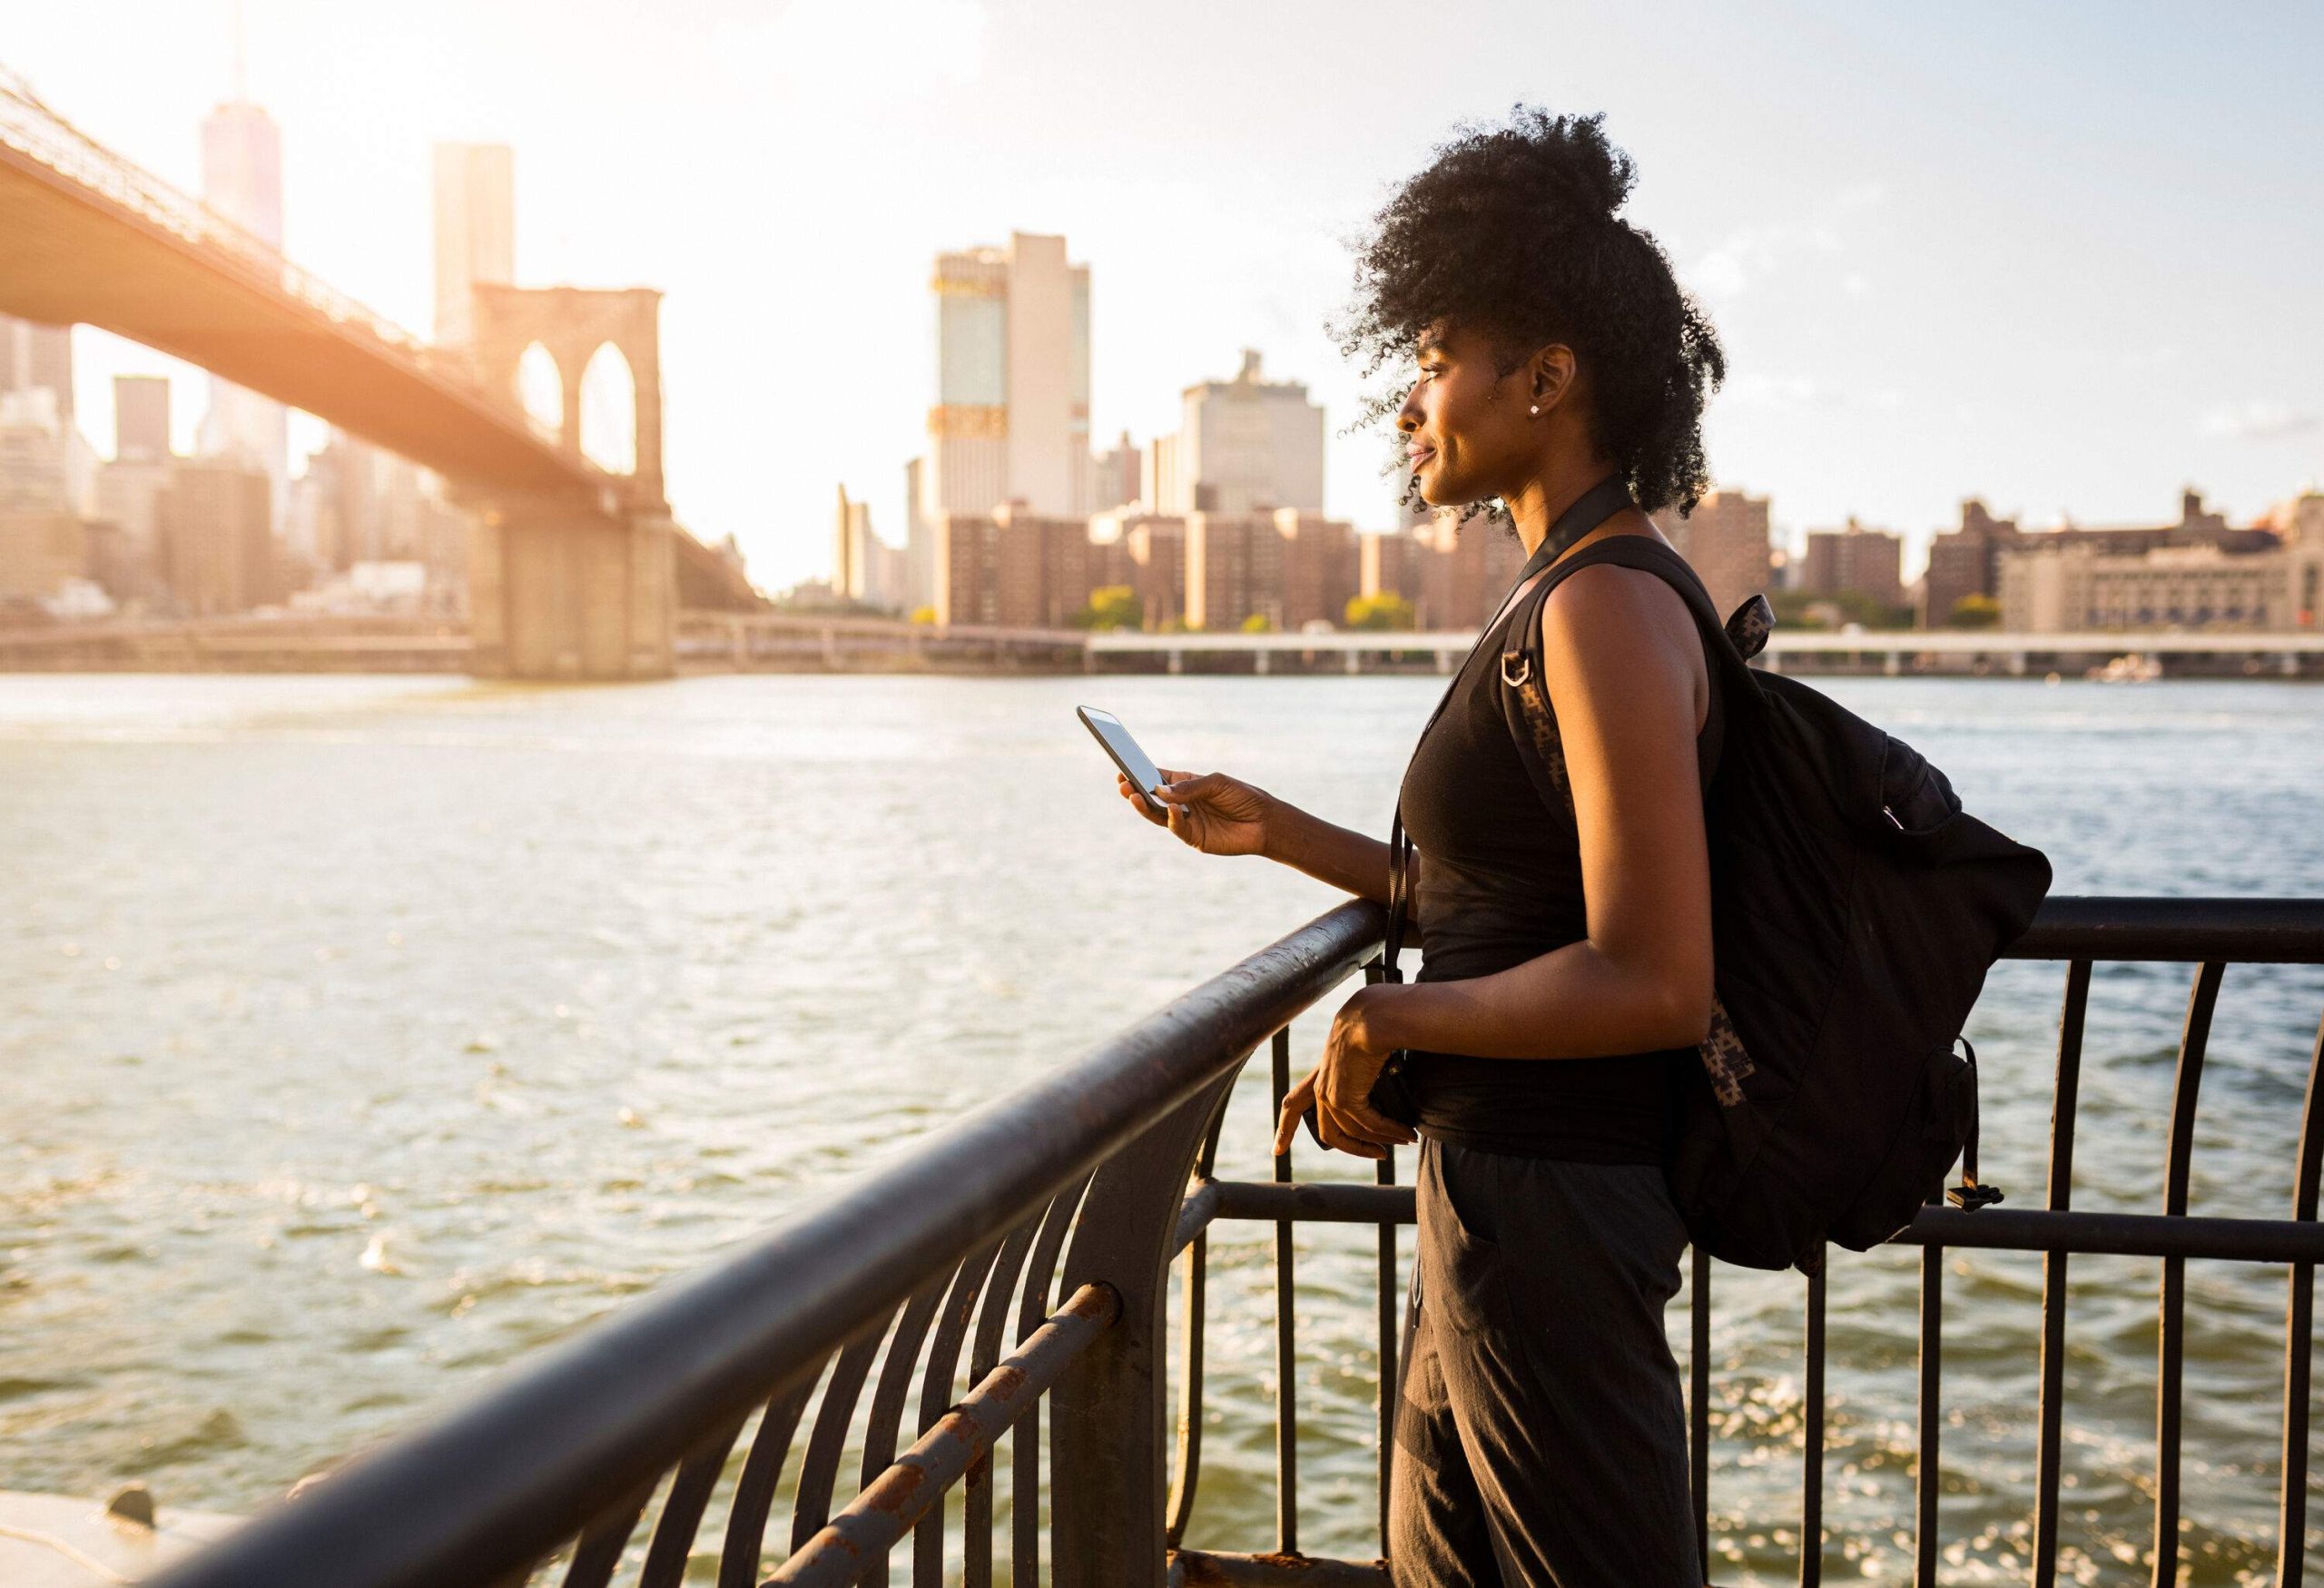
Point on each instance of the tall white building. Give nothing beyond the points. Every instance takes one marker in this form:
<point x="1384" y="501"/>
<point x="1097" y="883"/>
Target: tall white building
<point x="1249" y="445"/>
<point x="241" y="181"/>
<point x="1011" y="417"/>
<point x="476" y="232"/>
<point x="35" y="357"/>
<point x="865" y="567"/>
<point x="46" y="456"/>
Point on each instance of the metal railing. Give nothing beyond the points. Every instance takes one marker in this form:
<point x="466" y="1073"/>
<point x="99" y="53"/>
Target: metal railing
<point x="1038" y="1237"/>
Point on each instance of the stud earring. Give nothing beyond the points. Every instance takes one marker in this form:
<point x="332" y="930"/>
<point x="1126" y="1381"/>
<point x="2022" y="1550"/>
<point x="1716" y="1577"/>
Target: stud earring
<point x="1535" y="410"/>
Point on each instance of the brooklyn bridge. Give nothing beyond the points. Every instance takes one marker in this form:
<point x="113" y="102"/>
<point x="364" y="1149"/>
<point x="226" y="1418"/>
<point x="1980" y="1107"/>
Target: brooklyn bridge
<point x="575" y="571"/>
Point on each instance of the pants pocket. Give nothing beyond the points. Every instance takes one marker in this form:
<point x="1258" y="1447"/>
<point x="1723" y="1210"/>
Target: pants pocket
<point x="1461" y="1273"/>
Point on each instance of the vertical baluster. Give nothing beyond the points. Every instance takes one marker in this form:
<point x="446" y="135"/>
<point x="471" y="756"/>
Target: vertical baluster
<point x="883" y="1425"/>
<point x="1811" y="1503"/>
<point x="1186" y="1470"/>
<point x="1924" y="1485"/>
<point x="2050" y="1449"/>
<point x="936" y="1398"/>
<point x="1025" y="1435"/>
<point x="2300" y="1343"/>
<point x="984" y="1355"/>
<point x="2171" y="1349"/>
<point x="599" y="1550"/>
<point x="1287" y="1423"/>
<point x="819" y="1469"/>
<point x="666" y="1557"/>
<point x="1108" y="1420"/>
<point x="1698" y="1414"/>
<point x="738" y="1561"/>
<point x="1384" y="1173"/>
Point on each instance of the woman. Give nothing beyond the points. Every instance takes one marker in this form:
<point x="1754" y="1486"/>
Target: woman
<point x="1539" y="1435"/>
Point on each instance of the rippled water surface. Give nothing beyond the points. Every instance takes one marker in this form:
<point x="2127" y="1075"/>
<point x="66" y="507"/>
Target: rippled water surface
<point x="360" y="1036"/>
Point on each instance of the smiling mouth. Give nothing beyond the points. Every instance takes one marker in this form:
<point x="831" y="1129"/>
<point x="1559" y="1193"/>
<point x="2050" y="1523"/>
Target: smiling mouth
<point x="1417" y="460"/>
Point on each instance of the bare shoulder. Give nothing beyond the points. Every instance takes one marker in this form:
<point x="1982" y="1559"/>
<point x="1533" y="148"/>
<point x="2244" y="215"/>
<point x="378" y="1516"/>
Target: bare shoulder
<point x="1609" y="616"/>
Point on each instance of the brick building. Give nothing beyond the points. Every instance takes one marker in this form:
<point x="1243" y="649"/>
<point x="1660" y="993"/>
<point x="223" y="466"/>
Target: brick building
<point x="1964" y="562"/>
<point x="214" y="524"/>
<point x="1289" y="568"/>
<point x="1389" y="565"/>
<point x="1855" y="561"/>
<point x="1724" y="539"/>
<point x="1150" y="557"/>
<point x="1014" y="569"/>
<point x="1464" y="569"/>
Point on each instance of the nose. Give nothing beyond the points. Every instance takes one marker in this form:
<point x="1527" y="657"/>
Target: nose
<point x="1408" y="417"/>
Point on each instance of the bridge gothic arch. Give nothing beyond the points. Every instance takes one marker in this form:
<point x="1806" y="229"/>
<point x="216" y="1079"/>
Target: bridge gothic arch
<point x="540" y="387"/>
<point x="575" y="326"/>
<point x="608" y="400"/>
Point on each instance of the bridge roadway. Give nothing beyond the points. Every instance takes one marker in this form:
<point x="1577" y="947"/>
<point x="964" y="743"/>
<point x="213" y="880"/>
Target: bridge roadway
<point x="574" y="572"/>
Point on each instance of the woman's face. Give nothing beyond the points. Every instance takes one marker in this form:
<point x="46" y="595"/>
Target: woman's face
<point x="1467" y="433"/>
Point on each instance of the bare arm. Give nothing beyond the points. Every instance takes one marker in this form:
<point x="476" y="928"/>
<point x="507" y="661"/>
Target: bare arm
<point x="1352" y="861"/>
<point x="1623" y="666"/>
<point x="1219" y="814"/>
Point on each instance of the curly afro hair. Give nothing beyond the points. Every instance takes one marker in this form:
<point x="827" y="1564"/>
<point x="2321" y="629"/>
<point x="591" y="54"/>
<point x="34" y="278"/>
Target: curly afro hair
<point x="1514" y="230"/>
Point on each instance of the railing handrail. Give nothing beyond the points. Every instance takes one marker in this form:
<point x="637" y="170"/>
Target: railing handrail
<point x="491" y="1489"/>
<point x="554" y="1447"/>
<point x="2131" y="927"/>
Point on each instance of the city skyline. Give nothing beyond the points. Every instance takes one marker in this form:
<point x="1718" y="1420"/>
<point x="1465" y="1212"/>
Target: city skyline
<point x="2039" y="308"/>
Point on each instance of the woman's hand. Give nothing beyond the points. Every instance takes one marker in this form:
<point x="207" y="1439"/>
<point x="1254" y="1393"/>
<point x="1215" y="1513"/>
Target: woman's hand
<point x="1215" y="813"/>
<point x="1340" y="1088"/>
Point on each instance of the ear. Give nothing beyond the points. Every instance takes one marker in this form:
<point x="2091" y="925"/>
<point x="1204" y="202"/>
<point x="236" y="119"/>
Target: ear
<point x="1549" y="376"/>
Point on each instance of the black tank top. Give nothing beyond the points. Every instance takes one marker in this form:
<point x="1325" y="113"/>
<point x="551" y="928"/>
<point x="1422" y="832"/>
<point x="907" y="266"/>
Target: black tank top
<point x="1498" y="882"/>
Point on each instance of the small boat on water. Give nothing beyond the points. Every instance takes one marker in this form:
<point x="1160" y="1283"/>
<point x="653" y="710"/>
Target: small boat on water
<point x="2133" y="669"/>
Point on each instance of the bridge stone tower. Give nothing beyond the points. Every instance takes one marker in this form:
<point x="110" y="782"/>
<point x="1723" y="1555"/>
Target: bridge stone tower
<point x="571" y="587"/>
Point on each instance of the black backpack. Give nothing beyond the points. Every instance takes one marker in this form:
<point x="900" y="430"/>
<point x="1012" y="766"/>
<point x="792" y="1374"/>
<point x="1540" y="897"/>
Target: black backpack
<point x="1856" y="908"/>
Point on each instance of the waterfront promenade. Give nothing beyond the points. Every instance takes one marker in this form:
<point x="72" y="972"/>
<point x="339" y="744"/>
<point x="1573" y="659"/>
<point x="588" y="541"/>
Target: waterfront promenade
<point x="710" y="642"/>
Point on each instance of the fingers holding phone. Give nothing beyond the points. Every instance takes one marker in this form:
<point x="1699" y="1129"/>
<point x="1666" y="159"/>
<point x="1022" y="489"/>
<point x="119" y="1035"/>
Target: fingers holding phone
<point x="1215" y="813"/>
<point x="1148" y="808"/>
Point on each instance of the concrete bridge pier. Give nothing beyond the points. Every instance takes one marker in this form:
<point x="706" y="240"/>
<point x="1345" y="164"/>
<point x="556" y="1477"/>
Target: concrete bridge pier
<point x="561" y="591"/>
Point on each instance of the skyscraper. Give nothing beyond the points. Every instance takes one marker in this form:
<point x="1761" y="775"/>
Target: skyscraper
<point x="1011" y="417"/>
<point x="1249" y="445"/>
<point x="130" y="486"/>
<point x="36" y="357"/>
<point x="919" y="543"/>
<point x="241" y="181"/>
<point x="865" y="567"/>
<point x="141" y="415"/>
<point x="476" y="232"/>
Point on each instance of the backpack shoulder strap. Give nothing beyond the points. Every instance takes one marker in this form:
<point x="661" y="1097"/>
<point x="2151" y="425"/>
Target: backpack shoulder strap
<point x="1525" y="695"/>
<point x="1726" y="644"/>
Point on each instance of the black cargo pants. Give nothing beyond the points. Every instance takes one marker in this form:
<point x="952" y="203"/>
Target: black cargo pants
<point x="1540" y="1437"/>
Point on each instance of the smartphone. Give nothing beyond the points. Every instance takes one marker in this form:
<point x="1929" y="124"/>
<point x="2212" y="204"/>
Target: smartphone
<point x="1135" y="764"/>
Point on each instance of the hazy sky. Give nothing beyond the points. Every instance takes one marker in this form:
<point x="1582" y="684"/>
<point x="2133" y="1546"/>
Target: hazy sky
<point x="2068" y="257"/>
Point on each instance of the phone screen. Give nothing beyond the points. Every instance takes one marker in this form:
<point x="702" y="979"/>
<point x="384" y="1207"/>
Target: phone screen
<point x="1135" y="764"/>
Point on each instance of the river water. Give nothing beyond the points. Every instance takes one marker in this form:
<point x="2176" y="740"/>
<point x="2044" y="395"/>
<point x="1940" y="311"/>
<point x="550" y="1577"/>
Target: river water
<point x="360" y="1036"/>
